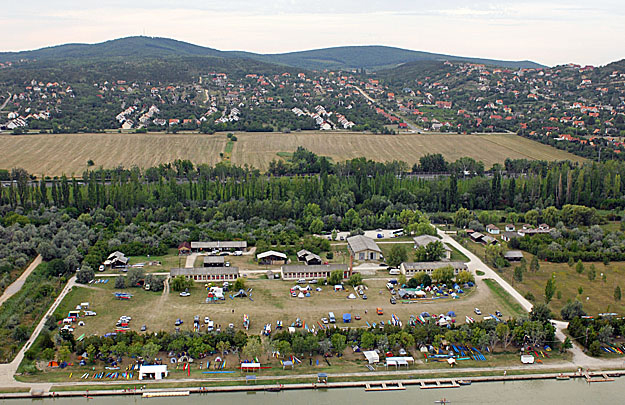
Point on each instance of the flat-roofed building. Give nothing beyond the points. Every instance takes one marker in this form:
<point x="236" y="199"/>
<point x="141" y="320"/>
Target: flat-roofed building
<point x="214" y="261"/>
<point x="201" y="274"/>
<point x="222" y="246"/>
<point x="409" y="269"/>
<point x="424" y="240"/>
<point x="306" y="272"/>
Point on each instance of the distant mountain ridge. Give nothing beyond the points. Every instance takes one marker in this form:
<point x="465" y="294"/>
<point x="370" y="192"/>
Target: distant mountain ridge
<point x="371" y="57"/>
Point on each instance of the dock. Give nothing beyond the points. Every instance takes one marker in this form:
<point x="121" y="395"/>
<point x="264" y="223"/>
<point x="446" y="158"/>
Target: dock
<point x="162" y="394"/>
<point x="389" y="386"/>
<point x="438" y="383"/>
<point x="597" y="377"/>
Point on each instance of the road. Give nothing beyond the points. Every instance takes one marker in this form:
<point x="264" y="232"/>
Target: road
<point x="475" y="263"/>
<point x="7" y="371"/>
<point x="19" y="283"/>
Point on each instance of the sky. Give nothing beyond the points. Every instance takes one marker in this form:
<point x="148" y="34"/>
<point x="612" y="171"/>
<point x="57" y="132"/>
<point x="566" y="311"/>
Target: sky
<point x="550" y="32"/>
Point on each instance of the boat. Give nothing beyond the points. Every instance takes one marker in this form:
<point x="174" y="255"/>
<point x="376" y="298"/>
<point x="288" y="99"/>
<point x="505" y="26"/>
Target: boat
<point x="274" y="389"/>
<point x="563" y="377"/>
<point x="442" y="401"/>
<point x="464" y="382"/>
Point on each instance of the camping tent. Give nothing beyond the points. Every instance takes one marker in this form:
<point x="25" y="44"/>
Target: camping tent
<point x="527" y="359"/>
<point x="351" y="296"/>
<point x="347" y="318"/>
<point x="451" y="313"/>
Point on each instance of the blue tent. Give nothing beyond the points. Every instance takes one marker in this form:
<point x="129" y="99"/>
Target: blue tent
<point x="451" y="313"/>
<point x="347" y="318"/>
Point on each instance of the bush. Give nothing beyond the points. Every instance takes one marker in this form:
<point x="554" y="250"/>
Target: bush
<point x="571" y="310"/>
<point x="595" y="348"/>
<point x="120" y="282"/>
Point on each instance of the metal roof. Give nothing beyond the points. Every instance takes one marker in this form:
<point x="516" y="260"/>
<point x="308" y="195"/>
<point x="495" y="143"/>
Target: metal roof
<point x="229" y="244"/>
<point x="424" y="240"/>
<point x="359" y="243"/>
<point x="433" y="265"/>
<point x="214" y="259"/>
<point x="200" y="271"/>
<point x="271" y="253"/>
<point x="313" y="267"/>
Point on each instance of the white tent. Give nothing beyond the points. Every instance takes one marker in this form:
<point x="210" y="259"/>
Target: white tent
<point x="351" y="296"/>
<point x="371" y="356"/>
<point x="421" y="293"/>
<point x="300" y="295"/>
<point x="156" y="372"/>
<point x="527" y="359"/>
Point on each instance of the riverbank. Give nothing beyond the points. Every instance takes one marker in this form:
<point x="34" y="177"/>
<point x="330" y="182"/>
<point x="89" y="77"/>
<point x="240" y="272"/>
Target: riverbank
<point x="423" y="383"/>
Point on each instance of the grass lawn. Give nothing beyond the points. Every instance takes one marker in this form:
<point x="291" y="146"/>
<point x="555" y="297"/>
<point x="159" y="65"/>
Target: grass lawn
<point x="510" y="305"/>
<point x="171" y="259"/>
<point x="597" y="296"/>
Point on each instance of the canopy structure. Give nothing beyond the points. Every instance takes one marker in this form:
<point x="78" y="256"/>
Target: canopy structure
<point x="250" y="366"/>
<point x="371" y="356"/>
<point x="347" y="318"/>
<point x="399" y="361"/>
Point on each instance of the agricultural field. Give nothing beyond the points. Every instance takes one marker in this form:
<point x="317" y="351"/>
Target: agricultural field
<point x="56" y="154"/>
<point x="271" y="302"/>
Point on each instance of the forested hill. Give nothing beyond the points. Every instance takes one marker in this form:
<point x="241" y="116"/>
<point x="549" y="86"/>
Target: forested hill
<point x="367" y="57"/>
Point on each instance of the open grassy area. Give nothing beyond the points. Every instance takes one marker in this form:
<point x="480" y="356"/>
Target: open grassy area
<point x="271" y="301"/>
<point x="39" y="153"/>
<point x="510" y="305"/>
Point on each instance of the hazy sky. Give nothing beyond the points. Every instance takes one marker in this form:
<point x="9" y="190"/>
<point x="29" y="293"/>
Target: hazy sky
<point x="550" y="31"/>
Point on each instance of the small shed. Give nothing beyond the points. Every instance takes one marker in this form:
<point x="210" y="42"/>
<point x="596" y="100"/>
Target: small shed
<point x="184" y="248"/>
<point x="347" y="318"/>
<point x="513" y="255"/>
<point x="250" y="366"/>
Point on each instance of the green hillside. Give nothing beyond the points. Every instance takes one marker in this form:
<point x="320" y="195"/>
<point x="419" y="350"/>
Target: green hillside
<point x="367" y="57"/>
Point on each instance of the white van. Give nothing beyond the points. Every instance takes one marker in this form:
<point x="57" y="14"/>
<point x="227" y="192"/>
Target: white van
<point x="394" y="272"/>
<point x="210" y="326"/>
<point x="331" y="317"/>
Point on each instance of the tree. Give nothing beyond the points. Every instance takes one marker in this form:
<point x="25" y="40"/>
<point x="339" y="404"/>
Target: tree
<point x="592" y="273"/>
<point x="540" y="312"/>
<point x="464" y="277"/>
<point x="595" y="348"/>
<point x="222" y="346"/>
<point x="180" y="283"/>
<point x="85" y="274"/>
<point x="462" y="217"/>
<point x="339" y="343"/>
<point x="239" y="284"/>
<point x="120" y="282"/>
<point x="150" y="350"/>
<point x="253" y="349"/>
<point x="367" y="340"/>
<point x="550" y="289"/>
<point x="567" y="344"/>
<point x="335" y="278"/>
<point x="605" y="333"/>
<point x="443" y="275"/>
<point x="135" y="276"/>
<point x="534" y="264"/>
<point x="316" y="226"/>
<point x="431" y="252"/>
<point x="63" y="353"/>
<point x="518" y="274"/>
<point x="284" y="348"/>
<point x="571" y="310"/>
<point x="617" y="293"/>
<point x="56" y="267"/>
<point x="579" y="267"/>
<point x="397" y="255"/>
<point x="503" y="333"/>
<point x="355" y="279"/>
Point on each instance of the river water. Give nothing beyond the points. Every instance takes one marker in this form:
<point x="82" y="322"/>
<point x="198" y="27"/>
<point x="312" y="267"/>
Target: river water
<point x="569" y="392"/>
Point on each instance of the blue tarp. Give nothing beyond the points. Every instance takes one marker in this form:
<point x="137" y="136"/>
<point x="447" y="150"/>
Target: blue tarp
<point x="347" y="318"/>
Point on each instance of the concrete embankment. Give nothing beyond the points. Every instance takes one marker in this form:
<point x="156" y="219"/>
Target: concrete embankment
<point x="428" y="383"/>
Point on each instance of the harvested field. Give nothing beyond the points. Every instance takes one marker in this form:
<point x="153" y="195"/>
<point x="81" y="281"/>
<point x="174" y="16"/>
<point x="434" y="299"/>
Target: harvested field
<point x="259" y="149"/>
<point x="55" y="154"/>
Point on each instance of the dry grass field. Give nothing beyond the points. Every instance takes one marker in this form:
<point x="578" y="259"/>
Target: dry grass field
<point x="68" y="153"/>
<point x="272" y="301"/>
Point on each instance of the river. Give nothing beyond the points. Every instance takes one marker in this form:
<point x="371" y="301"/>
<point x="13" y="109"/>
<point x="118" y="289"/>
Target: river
<point x="576" y="391"/>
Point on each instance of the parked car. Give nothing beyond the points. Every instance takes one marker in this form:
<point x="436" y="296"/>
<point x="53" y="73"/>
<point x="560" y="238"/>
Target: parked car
<point x="313" y="281"/>
<point x="357" y="317"/>
<point x="185" y="294"/>
<point x="301" y="281"/>
<point x="224" y="254"/>
<point x="379" y="311"/>
<point x="324" y="321"/>
<point x="206" y="319"/>
<point x="477" y="311"/>
<point x="402" y="352"/>
<point x="101" y="268"/>
<point x="364" y="296"/>
<point x="393" y="301"/>
<point x="179" y="322"/>
<point x="238" y="253"/>
<point x="144" y="328"/>
<point x="498" y="313"/>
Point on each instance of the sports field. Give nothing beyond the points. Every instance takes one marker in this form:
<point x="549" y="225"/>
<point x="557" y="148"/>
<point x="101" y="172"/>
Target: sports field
<point x="68" y="154"/>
